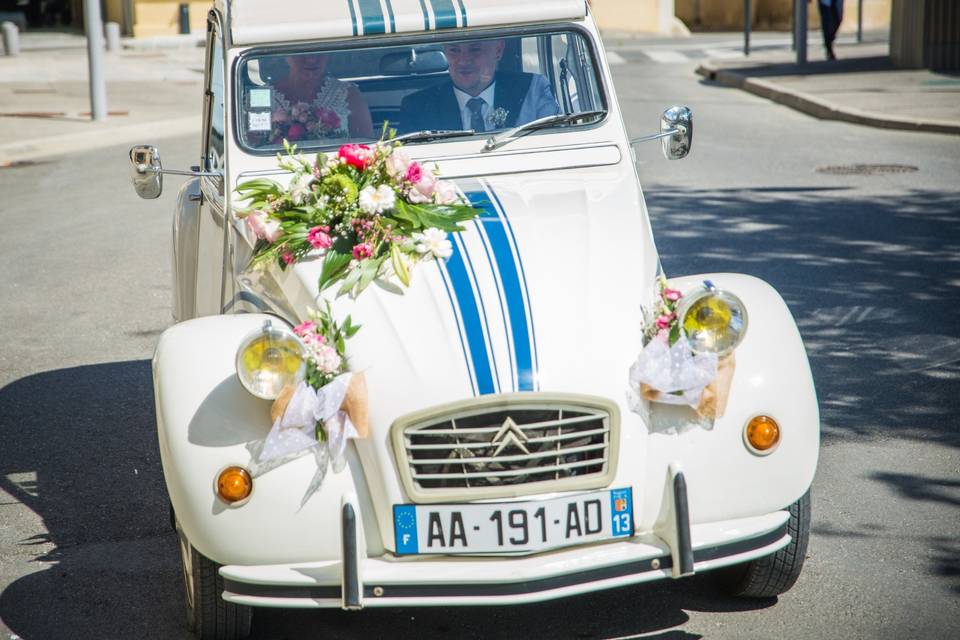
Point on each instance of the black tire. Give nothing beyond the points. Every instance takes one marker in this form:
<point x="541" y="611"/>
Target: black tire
<point x="209" y="616"/>
<point x="774" y="574"/>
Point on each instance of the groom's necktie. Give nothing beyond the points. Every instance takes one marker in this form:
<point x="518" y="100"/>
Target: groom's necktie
<point x="476" y="113"/>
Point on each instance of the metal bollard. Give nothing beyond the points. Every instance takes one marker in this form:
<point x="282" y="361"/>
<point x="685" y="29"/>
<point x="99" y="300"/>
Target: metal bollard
<point x="184" y="18"/>
<point x="11" y="39"/>
<point x="98" y="85"/>
<point x="112" y="31"/>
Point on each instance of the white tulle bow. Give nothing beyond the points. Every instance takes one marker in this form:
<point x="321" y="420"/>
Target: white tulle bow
<point x="294" y="432"/>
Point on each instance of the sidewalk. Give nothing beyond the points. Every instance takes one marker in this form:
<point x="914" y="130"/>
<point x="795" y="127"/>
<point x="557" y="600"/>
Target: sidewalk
<point x="862" y="87"/>
<point x="154" y="91"/>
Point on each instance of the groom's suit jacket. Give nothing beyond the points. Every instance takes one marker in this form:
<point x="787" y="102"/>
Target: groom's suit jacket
<point x="437" y="108"/>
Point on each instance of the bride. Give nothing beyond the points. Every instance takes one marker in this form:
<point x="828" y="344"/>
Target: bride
<point x="309" y="104"/>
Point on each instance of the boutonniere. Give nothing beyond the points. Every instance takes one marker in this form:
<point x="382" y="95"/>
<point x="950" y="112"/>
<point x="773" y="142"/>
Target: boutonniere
<point x="498" y="117"/>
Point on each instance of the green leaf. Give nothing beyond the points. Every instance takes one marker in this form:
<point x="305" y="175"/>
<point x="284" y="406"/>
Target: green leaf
<point x="399" y="267"/>
<point x="334" y="266"/>
<point x="370" y="268"/>
<point x="351" y="280"/>
<point x="263" y="185"/>
<point x="674" y="334"/>
<point x="402" y="212"/>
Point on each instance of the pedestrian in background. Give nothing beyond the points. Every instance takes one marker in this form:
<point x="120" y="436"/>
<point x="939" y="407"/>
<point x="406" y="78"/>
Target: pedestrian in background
<point x="831" y="14"/>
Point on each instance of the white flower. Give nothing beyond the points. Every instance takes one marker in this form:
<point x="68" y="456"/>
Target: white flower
<point x="446" y="192"/>
<point x="434" y="242"/>
<point x="377" y="200"/>
<point x="397" y="163"/>
<point x="300" y="188"/>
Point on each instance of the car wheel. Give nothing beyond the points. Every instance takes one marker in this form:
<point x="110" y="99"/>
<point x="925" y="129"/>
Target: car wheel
<point x="209" y="616"/>
<point x="774" y="574"/>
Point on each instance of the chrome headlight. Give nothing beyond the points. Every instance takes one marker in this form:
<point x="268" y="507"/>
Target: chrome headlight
<point x="713" y="320"/>
<point x="269" y="359"/>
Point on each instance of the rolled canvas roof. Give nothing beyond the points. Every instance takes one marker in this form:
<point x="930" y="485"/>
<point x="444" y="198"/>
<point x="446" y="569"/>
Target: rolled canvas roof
<point x="260" y="21"/>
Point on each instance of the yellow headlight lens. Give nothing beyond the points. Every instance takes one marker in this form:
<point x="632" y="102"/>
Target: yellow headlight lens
<point x="268" y="360"/>
<point x="713" y="321"/>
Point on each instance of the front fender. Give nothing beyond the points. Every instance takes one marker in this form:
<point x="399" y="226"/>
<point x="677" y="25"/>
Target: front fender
<point x="206" y="421"/>
<point x="772" y="377"/>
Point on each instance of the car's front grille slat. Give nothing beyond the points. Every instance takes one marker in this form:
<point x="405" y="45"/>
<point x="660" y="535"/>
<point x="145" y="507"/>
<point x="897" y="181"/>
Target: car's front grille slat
<point x="482" y="451"/>
<point x="507" y="473"/>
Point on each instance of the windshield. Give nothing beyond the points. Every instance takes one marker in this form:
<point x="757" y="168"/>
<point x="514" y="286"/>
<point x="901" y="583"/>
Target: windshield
<point x="325" y="98"/>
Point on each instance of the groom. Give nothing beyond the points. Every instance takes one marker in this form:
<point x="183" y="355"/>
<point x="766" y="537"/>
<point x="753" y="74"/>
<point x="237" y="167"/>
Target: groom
<point x="477" y="96"/>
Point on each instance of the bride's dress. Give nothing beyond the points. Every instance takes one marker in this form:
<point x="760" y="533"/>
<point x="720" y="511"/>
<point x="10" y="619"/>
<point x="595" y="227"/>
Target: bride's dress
<point x="328" y="115"/>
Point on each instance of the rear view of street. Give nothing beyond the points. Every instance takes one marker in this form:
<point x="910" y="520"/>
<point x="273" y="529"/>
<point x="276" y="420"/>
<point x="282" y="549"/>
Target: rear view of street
<point x="857" y="227"/>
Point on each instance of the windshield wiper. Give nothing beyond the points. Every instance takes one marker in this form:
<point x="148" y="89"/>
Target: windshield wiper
<point x="495" y="142"/>
<point x="423" y="136"/>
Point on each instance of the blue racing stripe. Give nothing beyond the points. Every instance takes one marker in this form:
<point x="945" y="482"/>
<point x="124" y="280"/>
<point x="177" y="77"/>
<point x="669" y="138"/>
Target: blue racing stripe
<point x="393" y="22"/>
<point x="483" y="314"/>
<point x="463" y="346"/>
<point x="373" y="20"/>
<point x="444" y="15"/>
<point x="496" y="231"/>
<point x="523" y="278"/>
<point x="426" y="17"/>
<point x="353" y="16"/>
<point x="463" y="13"/>
<point x="470" y="317"/>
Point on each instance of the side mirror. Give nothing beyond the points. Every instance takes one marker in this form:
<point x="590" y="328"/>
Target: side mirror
<point x="676" y="127"/>
<point x="147" y="174"/>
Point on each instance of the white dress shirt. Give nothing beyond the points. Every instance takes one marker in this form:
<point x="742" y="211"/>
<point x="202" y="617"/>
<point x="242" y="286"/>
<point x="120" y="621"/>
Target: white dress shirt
<point x="463" y="97"/>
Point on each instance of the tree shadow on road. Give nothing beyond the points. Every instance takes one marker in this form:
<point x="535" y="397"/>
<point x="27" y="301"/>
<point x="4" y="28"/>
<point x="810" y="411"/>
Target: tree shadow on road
<point x="80" y="450"/>
<point x="873" y="283"/>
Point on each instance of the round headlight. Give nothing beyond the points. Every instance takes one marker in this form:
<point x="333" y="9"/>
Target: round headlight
<point x="270" y="359"/>
<point x="713" y="321"/>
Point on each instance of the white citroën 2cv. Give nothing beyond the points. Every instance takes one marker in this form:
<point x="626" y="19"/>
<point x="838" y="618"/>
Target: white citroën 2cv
<point x="506" y="399"/>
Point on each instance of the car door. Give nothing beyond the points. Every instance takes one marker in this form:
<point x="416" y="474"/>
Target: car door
<point x="211" y="225"/>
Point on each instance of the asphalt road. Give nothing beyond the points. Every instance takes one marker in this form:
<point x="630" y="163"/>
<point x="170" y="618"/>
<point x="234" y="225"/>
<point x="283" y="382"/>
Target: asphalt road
<point x="869" y="264"/>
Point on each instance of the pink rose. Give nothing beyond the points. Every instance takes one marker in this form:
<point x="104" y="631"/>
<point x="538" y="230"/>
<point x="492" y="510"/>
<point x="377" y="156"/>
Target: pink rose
<point x="306" y="328"/>
<point x="397" y="163"/>
<point x="414" y="172"/>
<point x="663" y="322"/>
<point x="328" y="119"/>
<point x="672" y="295"/>
<point x="362" y="250"/>
<point x="446" y="192"/>
<point x="288" y="258"/>
<point x="356" y="155"/>
<point x="319" y="238"/>
<point x="296" y="131"/>
<point x="262" y="226"/>
<point x="423" y="189"/>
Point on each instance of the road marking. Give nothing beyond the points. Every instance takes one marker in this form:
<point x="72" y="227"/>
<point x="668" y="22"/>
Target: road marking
<point x="615" y="58"/>
<point x="723" y="54"/>
<point x="666" y="57"/>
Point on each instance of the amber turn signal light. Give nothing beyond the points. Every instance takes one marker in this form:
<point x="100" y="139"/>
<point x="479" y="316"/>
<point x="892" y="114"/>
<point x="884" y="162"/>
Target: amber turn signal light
<point x="762" y="434"/>
<point x="234" y="484"/>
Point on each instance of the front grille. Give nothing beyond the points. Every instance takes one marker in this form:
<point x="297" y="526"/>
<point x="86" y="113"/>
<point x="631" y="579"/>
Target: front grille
<point x="500" y="447"/>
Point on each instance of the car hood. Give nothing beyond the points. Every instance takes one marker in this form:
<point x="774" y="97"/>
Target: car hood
<point x="542" y="293"/>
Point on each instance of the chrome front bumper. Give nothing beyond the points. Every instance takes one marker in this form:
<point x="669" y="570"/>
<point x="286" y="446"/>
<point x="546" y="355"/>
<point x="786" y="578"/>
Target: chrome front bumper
<point x="674" y="549"/>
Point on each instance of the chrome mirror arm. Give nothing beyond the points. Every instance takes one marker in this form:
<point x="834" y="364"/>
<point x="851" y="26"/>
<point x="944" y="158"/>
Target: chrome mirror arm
<point x="655" y="136"/>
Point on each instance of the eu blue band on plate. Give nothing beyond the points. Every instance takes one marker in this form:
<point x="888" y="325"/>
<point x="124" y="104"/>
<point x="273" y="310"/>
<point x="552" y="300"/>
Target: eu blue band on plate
<point x="405" y="528"/>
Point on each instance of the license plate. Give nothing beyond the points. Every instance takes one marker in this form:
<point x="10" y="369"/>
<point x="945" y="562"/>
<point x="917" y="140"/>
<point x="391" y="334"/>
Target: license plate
<point x="509" y="527"/>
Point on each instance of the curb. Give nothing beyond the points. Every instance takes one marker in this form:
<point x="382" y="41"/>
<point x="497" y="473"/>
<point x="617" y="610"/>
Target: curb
<point x="820" y="108"/>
